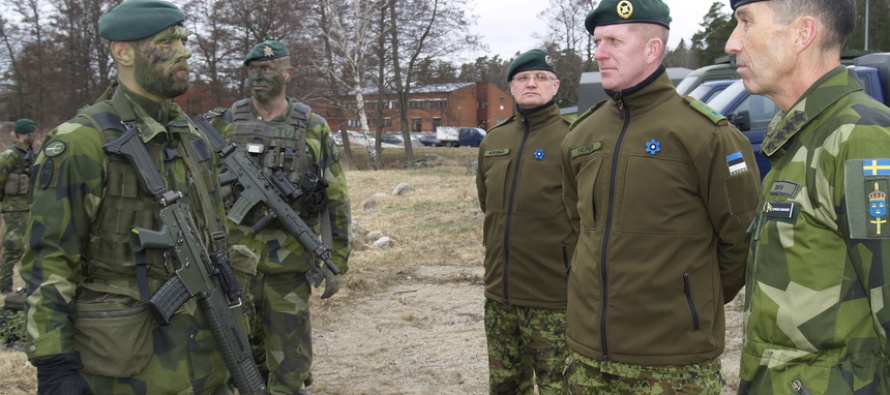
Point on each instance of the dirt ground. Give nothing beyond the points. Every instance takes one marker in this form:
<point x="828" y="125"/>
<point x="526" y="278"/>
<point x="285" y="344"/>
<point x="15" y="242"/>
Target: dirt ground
<point x="424" y="335"/>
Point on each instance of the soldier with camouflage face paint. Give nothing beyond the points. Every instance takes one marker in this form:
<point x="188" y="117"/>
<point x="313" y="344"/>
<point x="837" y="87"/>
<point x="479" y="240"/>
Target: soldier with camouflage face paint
<point x="286" y="136"/>
<point x="817" y="302"/>
<point x="88" y="325"/>
<point x="15" y="172"/>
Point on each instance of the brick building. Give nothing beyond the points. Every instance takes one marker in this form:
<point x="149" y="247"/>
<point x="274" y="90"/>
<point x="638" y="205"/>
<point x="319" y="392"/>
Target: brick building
<point x="480" y="104"/>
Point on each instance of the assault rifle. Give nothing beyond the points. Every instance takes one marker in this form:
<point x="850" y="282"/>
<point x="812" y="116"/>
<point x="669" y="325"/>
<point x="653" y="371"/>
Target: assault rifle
<point x="206" y="276"/>
<point x="275" y="191"/>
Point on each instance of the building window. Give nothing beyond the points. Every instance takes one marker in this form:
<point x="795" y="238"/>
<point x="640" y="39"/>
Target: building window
<point x="416" y="124"/>
<point x="437" y="122"/>
<point x="482" y="105"/>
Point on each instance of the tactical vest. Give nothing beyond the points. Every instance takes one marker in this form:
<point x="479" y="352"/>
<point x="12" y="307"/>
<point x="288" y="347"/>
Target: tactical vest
<point x="281" y="146"/>
<point x="108" y="252"/>
<point x="18" y="179"/>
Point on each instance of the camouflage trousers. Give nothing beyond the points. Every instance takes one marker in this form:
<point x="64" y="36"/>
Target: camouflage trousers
<point x="14" y="227"/>
<point x="587" y="376"/>
<point x="281" y="336"/>
<point x="526" y="347"/>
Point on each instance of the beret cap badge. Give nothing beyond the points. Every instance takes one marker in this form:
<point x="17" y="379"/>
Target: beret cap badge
<point x="625" y="9"/>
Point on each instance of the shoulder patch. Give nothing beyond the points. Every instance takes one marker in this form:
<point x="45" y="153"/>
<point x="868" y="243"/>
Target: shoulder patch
<point x="587" y="149"/>
<point x="705" y="109"/>
<point x="496" y="152"/>
<point x="54" y="148"/>
<point x="866" y="187"/>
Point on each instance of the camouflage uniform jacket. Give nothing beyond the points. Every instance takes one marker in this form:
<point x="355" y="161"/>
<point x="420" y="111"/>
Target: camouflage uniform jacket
<point x="818" y="273"/>
<point x="80" y="267"/>
<point x="11" y="163"/>
<point x="322" y="151"/>
<point x="527" y="234"/>
<point x="664" y="190"/>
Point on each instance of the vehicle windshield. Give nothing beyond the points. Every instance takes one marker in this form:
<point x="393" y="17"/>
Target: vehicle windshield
<point x="690" y="80"/>
<point x="721" y="102"/>
<point x="709" y="89"/>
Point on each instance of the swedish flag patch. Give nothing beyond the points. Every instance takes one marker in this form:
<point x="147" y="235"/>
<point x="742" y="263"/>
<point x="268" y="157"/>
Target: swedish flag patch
<point x="866" y="185"/>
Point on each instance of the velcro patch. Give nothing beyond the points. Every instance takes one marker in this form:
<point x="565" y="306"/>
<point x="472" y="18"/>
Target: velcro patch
<point x="496" y="152"/>
<point x="785" y="188"/>
<point x="587" y="149"/>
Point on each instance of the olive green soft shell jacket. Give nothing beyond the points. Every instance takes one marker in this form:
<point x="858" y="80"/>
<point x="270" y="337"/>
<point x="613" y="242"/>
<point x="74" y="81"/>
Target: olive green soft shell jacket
<point x="664" y="189"/>
<point x="527" y="232"/>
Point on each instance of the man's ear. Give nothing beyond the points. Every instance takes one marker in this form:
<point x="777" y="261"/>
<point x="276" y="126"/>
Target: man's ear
<point x="654" y="50"/>
<point x="123" y="53"/>
<point x="806" y="29"/>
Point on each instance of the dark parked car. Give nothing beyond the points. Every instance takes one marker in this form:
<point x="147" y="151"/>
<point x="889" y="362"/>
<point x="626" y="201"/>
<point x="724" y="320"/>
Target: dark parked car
<point x="393" y="139"/>
<point x="430" y="140"/>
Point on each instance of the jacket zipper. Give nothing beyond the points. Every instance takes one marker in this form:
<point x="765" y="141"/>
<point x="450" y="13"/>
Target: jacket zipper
<point x="623" y="113"/>
<point x="510" y="208"/>
<point x="686" y="289"/>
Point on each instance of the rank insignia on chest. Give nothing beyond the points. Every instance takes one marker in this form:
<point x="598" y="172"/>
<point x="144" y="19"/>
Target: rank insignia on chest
<point x="866" y="185"/>
<point x="539" y="154"/>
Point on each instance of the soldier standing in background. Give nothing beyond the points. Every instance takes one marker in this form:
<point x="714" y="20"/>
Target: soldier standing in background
<point x="663" y="189"/>
<point x="285" y="135"/>
<point x="527" y="235"/>
<point x="817" y="301"/>
<point x="88" y="325"/>
<point x="15" y="172"/>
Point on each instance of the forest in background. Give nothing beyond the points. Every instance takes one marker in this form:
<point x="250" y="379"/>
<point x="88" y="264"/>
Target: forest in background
<point x="53" y="62"/>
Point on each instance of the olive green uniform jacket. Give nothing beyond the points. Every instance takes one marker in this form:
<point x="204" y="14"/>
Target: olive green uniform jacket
<point x="817" y="301"/>
<point x="527" y="234"/>
<point x="664" y="190"/>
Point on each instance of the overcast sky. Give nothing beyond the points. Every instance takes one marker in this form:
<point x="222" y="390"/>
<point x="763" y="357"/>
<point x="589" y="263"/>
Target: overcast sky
<point x="508" y="26"/>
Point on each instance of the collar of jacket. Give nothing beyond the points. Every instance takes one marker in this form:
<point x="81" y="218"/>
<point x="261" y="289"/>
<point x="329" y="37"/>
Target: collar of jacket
<point x="166" y="112"/>
<point x="654" y="90"/>
<point x="538" y="114"/>
<point x="159" y="111"/>
<point x="831" y="87"/>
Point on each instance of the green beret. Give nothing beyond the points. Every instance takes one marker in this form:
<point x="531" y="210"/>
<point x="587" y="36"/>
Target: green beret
<point x="266" y="50"/>
<point x="611" y="12"/>
<point x="535" y="59"/>
<point x="738" y="3"/>
<point x="135" y="20"/>
<point x="24" y="126"/>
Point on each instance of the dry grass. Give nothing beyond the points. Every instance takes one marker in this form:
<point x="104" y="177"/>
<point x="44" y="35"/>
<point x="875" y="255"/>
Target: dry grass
<point x="437" y="224"/>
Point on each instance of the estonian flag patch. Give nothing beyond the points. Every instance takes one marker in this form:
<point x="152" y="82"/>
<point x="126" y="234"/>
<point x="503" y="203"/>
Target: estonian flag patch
<point x="736" y="163"/>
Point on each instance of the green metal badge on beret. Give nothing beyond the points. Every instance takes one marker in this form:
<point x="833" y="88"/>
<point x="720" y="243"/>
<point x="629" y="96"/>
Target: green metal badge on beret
<point x="54" y="148"/>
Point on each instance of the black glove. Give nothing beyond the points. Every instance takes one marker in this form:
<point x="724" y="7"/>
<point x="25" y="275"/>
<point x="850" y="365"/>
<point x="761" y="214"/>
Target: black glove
<point x="57" y="374"/>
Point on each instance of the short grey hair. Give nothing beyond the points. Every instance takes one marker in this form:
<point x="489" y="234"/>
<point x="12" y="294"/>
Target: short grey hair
<point x="838" y="17"/>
